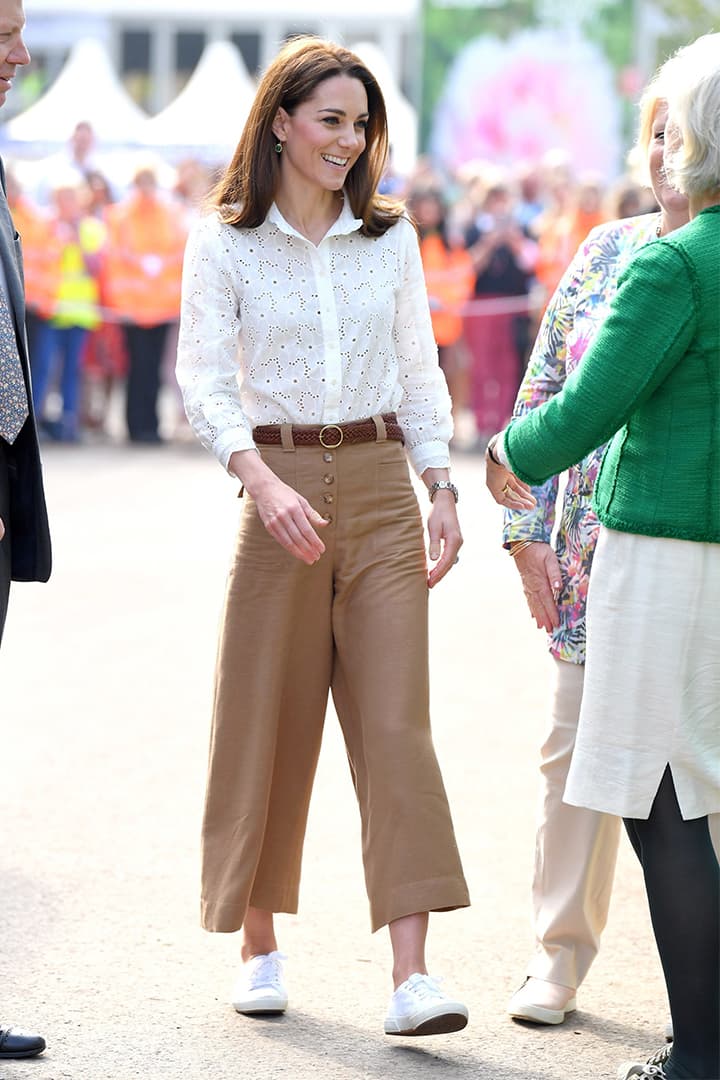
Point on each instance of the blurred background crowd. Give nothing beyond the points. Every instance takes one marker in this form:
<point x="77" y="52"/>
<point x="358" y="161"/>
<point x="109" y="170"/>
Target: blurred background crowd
<point x="103" y="266"/>
<point x="510" y="125"/>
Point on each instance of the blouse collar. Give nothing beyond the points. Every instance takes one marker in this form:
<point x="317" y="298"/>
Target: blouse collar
<point x="345" y="224"/>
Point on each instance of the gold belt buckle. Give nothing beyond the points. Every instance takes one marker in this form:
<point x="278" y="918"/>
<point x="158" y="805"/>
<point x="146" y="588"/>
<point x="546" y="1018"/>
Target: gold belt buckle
<point x="330" y="427"/>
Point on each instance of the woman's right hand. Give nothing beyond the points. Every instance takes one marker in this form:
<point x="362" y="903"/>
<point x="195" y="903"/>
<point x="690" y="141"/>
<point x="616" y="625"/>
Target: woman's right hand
<point x="2" y="528"/>
<point x="287" y="515"/>
<point x="541" y="579"/>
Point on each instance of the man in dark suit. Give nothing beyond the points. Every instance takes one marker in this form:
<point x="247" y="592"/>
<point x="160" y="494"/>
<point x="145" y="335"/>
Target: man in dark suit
<point x="24" y="535"/>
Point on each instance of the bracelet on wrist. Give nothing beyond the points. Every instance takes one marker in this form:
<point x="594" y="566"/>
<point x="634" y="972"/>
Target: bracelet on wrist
<point x="443" y="485"/>
<point x="519" y="545"/>
<point x="491" y="450"/>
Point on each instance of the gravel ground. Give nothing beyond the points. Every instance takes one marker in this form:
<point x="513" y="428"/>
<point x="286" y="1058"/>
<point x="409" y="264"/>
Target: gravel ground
<point x="106" y="677"/>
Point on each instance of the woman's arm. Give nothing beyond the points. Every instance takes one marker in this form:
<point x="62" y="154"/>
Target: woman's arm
<point x="209" y="340"/>
<point x="527" y="533"/>
<point x="207" y="372"/>
<point x="425" y="408"/>
<point x="545" y="377"/>
<point x="649" y="328"/>
<point x="424" y="411"/>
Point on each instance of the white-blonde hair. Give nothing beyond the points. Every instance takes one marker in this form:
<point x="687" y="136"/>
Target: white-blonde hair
<point x="653" y="96"/>
<point x="692" y="90"/>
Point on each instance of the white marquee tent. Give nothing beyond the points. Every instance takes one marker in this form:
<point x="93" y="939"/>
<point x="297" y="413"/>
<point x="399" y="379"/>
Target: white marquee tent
<point x="87" y="88"/>
<point x="207" y="116"/>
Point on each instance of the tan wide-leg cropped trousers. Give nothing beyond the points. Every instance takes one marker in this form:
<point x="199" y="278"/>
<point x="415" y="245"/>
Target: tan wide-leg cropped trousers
<point x="355" y="623"/>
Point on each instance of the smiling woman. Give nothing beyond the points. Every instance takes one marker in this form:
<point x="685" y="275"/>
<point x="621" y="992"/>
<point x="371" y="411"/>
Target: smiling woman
<point x="307" y="359"/>
<point x="648" y="733"/>
<point x="321" y="141"/>
<point x="309" y="85"/>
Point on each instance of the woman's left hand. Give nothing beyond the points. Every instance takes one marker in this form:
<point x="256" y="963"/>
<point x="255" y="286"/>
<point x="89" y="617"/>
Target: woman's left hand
<point x="505" y="487"/>
<point x="445" y="536"/>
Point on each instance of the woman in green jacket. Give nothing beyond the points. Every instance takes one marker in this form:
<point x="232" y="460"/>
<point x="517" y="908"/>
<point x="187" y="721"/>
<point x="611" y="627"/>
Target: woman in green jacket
<point x="648" y="745"/>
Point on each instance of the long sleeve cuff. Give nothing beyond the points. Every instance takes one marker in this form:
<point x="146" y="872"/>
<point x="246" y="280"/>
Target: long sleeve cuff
<point x="230" y="441"/>
<point x="429" y="455"/>
<point x="500" y="451"/>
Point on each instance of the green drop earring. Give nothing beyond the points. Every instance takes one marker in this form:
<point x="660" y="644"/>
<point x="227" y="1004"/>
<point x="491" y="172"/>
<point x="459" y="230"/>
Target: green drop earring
<point x="278" y="147"/>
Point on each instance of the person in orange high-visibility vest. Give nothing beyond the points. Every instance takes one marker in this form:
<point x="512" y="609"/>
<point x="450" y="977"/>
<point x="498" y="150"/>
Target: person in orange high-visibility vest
<point x="77" y="240"/>
<point x="449" y="278"/>
<point x="143" y="271"/>
<point x="41" y="253"/>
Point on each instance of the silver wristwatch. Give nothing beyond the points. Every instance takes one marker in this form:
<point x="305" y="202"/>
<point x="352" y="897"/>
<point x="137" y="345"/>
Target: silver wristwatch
<point x="443" y="485"/>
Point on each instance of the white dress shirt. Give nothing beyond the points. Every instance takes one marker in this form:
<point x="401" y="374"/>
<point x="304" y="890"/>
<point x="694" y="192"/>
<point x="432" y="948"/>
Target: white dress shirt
<point x="275" y="329"/>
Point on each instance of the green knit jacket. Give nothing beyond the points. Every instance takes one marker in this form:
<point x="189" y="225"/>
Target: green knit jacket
<point x="651" y="378"/>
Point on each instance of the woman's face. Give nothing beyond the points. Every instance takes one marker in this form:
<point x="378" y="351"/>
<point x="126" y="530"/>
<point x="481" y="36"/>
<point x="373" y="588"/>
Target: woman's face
<point x="325" y="135"/>
<point x="667" y="197"/>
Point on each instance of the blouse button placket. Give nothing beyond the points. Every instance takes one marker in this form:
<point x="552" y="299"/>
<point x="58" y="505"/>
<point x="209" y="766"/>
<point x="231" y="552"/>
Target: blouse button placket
<point x="330" y="333"/>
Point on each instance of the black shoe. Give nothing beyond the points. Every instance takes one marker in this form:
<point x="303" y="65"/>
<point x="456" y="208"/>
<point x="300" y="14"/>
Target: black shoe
<point x="652" y="1069"/>
<point x="15" y="1043"/>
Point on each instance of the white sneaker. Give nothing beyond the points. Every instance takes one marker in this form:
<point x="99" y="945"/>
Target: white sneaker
<point x="420" y="1007"/>
<point x="260" y="987"/>
<point x="542" y="1002"/>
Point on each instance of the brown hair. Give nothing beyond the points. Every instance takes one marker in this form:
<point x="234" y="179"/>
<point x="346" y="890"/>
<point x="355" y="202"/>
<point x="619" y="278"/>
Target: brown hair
<point x="247" y="189"/>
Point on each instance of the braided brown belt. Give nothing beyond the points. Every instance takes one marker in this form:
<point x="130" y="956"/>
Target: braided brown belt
<point x="330" y="435"/>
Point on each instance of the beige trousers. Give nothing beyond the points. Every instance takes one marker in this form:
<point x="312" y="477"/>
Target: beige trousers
<point x="355" y="623"/>
<point x="575" y="852"/>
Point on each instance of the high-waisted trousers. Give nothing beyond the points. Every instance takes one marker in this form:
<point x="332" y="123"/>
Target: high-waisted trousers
<point x="355" y="623"/>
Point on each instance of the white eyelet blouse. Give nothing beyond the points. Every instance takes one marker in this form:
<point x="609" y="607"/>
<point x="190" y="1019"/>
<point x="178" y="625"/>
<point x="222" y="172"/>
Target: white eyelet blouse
<point x="277" y="330"/>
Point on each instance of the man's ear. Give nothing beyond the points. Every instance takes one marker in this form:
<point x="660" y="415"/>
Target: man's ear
<point x="279" y="128"/>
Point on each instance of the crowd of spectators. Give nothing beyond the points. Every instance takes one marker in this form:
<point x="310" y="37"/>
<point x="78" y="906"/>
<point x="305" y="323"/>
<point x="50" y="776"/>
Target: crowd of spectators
<point x="495" y="244"/>
<point x="103" y="266"/>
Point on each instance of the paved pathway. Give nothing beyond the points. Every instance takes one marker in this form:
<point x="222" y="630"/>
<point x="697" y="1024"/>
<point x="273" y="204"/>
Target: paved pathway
<point x="105" y="677"/>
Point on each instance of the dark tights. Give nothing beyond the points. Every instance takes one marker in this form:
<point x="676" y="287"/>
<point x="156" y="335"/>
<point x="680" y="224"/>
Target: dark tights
<point x="682" y="879"/>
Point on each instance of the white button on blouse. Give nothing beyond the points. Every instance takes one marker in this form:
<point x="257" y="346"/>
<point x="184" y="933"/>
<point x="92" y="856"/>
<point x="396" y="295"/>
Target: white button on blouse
<point x="275" y="329"/>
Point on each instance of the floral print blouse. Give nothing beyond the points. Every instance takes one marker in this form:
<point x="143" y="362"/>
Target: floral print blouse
<point x="573" y="317"/>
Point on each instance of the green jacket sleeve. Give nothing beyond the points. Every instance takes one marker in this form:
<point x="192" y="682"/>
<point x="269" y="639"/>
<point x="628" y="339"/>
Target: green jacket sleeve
<point x="648" y="330"/>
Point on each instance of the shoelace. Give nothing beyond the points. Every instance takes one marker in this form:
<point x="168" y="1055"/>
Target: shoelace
<point x="660" y="1056"/>
<point x="425" y="986"/>
<point x="654" y="1066"/>
<point x="267" y="972"/>
<point x="649" y="1070"/>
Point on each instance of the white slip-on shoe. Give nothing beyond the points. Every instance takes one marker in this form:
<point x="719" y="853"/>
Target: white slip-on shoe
<point x="260" y="987"/>
<point x="542" y="1002"/>
<point x="652" y="1069"/>
<point x="420" y="1007"/>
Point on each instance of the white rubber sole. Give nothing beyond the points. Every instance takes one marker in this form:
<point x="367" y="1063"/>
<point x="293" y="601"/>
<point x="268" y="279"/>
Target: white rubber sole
<point x="536" y="1014"/>
<point x="439" y="1019"/>
<point x="268" y="1004"/>
<point x="628" y="1069"/>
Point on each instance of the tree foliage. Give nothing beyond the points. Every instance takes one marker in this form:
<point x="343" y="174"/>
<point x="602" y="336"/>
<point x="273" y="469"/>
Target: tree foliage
<point x="611" y="24"/>
<point x="686" y="20"/>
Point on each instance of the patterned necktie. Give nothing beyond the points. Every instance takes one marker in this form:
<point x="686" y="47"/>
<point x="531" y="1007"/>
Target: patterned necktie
<point x="13" y="397"/>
